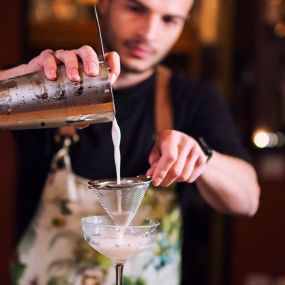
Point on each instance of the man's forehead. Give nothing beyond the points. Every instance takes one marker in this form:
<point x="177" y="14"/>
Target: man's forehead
<point x="166" y="7"/>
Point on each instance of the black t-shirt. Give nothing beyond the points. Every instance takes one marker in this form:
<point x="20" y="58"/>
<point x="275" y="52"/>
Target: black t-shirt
<point x="197" y="111"/>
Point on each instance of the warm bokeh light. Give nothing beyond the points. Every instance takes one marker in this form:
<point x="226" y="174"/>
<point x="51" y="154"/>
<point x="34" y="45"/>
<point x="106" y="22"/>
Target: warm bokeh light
<point x="261" y="139"/>
<point x="265" y="139"/>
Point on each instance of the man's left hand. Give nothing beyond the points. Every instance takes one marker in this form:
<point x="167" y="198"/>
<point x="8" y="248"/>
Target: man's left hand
<point x="175" y="157"/>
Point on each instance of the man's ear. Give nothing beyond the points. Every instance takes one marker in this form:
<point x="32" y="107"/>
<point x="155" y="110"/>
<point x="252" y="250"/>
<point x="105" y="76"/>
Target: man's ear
<point x="102" y="6"/>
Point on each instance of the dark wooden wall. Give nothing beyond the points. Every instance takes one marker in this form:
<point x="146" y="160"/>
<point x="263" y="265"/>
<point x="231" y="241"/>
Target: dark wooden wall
<point x="10" y="37"/>
<point x="258" y="243"/>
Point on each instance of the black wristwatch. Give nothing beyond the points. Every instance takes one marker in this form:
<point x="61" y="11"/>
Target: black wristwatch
<point x="205" y="147"/>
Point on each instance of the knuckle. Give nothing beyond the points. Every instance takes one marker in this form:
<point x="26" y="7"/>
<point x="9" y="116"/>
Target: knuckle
<point x="170" y="157"/>
<point x="193" y="177"/>
<point x="59" y="52"/>
<point x="70" y="58"/>
<point x="87" y="48"/>
<point x="46" y="51"/>
<point x="183" y="177"/>
<point x="172" y="134"/>
<point x="191" y="180"/>
<point x="168" y="134"/>
<point x="174" y="172"/>
<point x="161" y="174"/>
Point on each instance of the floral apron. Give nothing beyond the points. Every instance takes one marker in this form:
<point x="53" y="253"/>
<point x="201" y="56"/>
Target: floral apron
<point x="53" y="251"/>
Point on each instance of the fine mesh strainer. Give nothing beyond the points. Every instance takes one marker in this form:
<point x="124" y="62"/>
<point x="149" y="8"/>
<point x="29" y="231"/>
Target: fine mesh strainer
<point x="120" y="201"/>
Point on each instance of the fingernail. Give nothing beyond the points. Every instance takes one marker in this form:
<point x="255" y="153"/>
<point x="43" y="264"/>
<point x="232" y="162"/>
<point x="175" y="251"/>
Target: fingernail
<point x="93" y="68"/>
<point x="74" y="74"/>
<point x="156" y="182"/>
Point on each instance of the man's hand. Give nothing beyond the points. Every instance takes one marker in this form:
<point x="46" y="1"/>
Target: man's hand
<point x="175" y="157"/>
<point x="48" y="61"/>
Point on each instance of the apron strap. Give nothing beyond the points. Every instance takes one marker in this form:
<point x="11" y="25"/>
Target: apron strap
<point x="163" y="107"/>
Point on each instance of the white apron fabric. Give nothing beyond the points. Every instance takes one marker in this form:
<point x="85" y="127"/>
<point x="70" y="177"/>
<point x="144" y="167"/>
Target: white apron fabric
<point x="52" y="250"/>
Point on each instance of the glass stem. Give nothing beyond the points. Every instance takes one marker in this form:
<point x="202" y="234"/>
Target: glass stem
<point x="119" y="274"/>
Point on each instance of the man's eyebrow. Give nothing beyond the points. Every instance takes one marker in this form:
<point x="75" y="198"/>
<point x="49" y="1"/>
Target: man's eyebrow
<point x="139" y="3"/>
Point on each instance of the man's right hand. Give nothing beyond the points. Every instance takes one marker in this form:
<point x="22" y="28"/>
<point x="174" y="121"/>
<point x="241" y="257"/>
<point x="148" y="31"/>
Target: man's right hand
<point x="49" y="59"/>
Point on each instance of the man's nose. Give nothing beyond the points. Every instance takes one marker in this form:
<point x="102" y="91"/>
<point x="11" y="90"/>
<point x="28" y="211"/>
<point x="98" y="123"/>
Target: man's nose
<point x="150" y="27"/>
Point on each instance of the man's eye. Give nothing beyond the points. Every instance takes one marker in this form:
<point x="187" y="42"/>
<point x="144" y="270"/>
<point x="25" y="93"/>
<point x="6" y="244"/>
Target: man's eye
<point x="170" y="20"/>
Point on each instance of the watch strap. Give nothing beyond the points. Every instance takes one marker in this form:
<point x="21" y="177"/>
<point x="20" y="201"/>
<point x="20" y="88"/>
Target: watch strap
<point x="208" y="151"/>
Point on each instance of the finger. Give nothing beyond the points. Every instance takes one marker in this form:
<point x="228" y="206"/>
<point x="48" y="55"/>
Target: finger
<point x="70" y="61"/>
<point x="49" y="64"/>
<point x="198" y="169"/>
<point x="189" y="165"/>
<point x="89" y="59"/>
<point x="113" y="61"/>
<point x="176" y="170"/>
<point x="45" y="61"/>
<point x="153" y="160"/>
<point x="168" y="158"/>
<point x="151" y="169"/>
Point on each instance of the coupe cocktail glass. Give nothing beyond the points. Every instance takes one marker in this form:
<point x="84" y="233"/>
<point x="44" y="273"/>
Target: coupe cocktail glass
<point x="119" y="243"/>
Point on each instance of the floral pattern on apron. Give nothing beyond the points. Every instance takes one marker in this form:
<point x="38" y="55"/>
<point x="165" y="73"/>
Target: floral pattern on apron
<point x="52" y="251"/>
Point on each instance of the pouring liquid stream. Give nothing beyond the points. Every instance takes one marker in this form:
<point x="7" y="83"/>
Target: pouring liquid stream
<point x="116" y="137"/>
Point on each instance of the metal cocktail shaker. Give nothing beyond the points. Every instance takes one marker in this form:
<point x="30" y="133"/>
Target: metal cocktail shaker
<point x="33" y="101"/>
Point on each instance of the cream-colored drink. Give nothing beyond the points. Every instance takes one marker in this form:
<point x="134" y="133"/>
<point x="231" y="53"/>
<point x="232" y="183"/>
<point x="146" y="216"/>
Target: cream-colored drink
<point x="122" y="247"/>
<point x="116" y="137"/>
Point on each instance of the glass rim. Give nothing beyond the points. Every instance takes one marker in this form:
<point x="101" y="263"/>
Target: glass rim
<point x="153" y="223"/>
<point x="126" y="183"/>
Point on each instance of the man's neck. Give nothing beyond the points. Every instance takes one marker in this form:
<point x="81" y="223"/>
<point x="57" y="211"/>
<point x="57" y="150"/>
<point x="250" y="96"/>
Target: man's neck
<point x="128" y="79"/>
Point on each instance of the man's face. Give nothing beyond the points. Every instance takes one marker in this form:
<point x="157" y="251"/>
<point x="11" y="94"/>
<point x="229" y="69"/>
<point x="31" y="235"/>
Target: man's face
<point x="142" y="31"/>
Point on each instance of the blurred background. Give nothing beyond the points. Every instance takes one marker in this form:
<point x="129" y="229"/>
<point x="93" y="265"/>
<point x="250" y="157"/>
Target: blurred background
<point x="236" y="45"/>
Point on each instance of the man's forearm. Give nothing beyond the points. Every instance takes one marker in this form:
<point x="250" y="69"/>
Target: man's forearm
<point x="230" y="185"/>
<point x="13" y="72"/>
